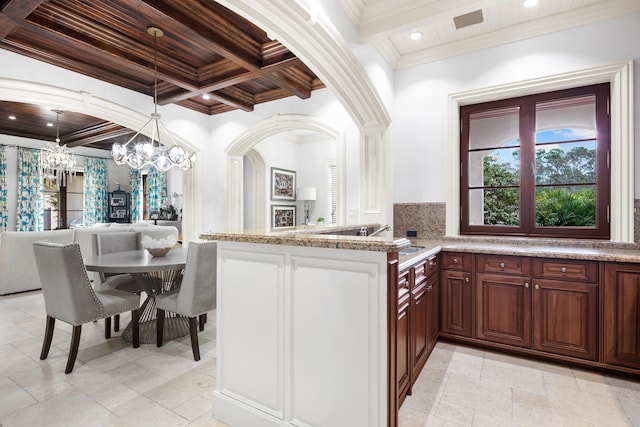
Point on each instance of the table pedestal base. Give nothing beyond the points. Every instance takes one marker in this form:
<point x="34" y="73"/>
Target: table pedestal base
<point x="153" y="283"/>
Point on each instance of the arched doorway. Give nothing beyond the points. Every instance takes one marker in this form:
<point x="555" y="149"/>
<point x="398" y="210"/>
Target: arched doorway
<point x="244" y="144"/>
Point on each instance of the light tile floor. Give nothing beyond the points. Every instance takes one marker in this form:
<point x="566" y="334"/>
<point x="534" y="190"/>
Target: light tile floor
<point x="113" y="384"/>
<point x="463" y="386"/>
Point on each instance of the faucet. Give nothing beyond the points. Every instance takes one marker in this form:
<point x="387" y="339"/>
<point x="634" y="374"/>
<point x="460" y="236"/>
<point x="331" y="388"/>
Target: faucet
<point x="380" y="230"/>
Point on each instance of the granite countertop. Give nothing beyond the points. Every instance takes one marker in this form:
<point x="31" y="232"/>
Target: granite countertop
<point x="542" y="248"/>
<point x="316" y="236"/>
<point x="329" y="237"/>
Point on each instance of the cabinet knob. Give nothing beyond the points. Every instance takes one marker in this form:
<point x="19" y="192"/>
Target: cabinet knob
<point x="466" y="279"/>
<point x="537" y="287"/>
<point x="502" y="265"/>
<point x="563" y="269"/>
<point x="455" y="260"/>
<point x="429" y="288"/>
<point x="526" y="284"/>
<point x="431" y="263"/>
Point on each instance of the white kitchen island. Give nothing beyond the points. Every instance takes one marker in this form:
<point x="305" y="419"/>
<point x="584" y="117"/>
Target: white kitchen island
<point x="302" y="330"/>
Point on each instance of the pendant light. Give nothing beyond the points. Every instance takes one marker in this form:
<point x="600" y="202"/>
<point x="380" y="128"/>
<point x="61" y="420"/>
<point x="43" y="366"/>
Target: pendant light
<point x="153" y="152"/>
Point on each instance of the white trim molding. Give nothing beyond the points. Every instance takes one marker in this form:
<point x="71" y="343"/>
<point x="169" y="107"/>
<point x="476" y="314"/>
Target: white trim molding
<point x="620" y="75"/>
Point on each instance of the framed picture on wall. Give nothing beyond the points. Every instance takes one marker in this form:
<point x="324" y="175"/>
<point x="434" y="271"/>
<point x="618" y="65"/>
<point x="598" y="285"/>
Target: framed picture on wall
<point x="283" y="184"/>
<point x="283" y="216"/>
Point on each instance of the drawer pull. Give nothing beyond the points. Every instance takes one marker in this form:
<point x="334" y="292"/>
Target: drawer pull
<point x="455" y="260"/>
<point x="431" y="263"/>
<point x="537" y="287"/>
<point x="526" y="284"/>
<point x="466" y="279"/>
<point x="563" y="269"/>
<point x="502" y="265"/>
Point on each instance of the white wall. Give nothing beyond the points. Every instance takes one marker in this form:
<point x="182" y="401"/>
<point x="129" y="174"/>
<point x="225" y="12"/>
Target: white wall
<point x="419" y="131"/>
<point x="309" y="160"/>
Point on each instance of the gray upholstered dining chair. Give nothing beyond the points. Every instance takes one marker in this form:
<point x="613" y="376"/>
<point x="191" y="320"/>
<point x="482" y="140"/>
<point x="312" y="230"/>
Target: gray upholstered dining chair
<point x="69" y="296"/>
<point x="120" y="241"/>
<point x="196" y="295"/>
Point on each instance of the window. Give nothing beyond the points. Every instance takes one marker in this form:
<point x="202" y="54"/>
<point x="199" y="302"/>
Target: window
<point x="537" y="165"/>
<point x="63" y="207"/>
<point x="333" y="193"/>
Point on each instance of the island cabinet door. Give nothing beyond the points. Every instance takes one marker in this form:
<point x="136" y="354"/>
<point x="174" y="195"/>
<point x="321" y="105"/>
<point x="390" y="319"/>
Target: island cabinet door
<point x="419" y="344"/>
<point x="565" y="318"/>
<point x="503" y="309"/>
<point x="456" y="303"/>
<point x="622" y="315"/>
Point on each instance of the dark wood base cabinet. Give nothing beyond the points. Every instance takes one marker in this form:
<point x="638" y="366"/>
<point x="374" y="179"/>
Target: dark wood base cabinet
<point x="417" y="321"/>
<point x="622" y="315"/>
<point x="544" y="306"/>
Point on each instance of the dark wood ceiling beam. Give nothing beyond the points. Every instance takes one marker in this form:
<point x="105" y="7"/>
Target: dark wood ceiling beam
<point x="206" y="88"/>
<point x="14" y="13"/>
<point x="94" y="134"/>
<point x="199" y="34"/>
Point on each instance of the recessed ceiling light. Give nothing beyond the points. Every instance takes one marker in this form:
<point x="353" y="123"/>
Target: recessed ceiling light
<point x="205" y="96"/>
<point x="12" y="117"/>
<point x="416" y="35"/>
<point x="50" y="125"/>
<point x="530" y="3"/>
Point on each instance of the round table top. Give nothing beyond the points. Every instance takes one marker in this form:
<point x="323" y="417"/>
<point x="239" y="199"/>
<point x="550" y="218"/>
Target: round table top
<point x="139" y="261"/>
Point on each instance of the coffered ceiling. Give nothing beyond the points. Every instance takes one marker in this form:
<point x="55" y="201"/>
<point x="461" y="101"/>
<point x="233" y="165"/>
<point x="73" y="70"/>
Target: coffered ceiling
<point x="209" y="59"/>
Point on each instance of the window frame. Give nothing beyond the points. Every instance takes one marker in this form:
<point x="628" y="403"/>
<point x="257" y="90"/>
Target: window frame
<point x="527" y="124"/>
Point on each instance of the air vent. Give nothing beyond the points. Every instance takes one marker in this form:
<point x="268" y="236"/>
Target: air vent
<point x="468" y="19"/>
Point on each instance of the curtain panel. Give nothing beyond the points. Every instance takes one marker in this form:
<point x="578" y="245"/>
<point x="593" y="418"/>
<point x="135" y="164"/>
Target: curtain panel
<point x="157" y="184"/>
<point x="30" y="200"/>
<point x="4" y="212"/>
<point x="96" y="191"/>
<point x="135" y="182"/>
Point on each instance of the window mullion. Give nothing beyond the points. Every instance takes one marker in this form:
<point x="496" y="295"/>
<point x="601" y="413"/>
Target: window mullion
<point x="527" y="166"/>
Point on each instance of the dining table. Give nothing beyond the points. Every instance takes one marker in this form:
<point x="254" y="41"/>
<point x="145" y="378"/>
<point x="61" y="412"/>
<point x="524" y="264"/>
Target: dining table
<point x="155" y="275"/>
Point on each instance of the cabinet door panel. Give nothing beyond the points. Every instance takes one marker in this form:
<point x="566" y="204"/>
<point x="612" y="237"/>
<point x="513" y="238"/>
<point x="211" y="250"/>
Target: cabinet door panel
<point x="622" y="315"/>
<point x="433" y="312"/>
<point x="418" y="330"/>
<point x="456" y="304"/>
<point x="403" y="374"/>
<point x="503" y="306"/>
<point x="565" y="318"/>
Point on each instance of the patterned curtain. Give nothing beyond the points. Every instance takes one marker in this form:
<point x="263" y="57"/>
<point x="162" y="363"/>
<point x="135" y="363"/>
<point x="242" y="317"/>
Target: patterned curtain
<point x="96" y="190"/>
<point x="135" y="182"/>
<point x="30" y="203"/>
<point x="4" y="213"/>
<point x="157" y="184"/>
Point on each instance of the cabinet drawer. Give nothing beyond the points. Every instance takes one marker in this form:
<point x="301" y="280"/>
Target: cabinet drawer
<point x="419" y="273"/>
<point x="566" y="269"/>
<point x="432" y="265"/>
<point x="456" y="261"/>
<point x="403" y="283"/>
<point x="502" y="264"/>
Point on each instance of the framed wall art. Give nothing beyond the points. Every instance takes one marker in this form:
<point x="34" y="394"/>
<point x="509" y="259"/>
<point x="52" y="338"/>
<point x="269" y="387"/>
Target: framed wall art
<point x="283" y="216"/>
<point x="283" y="184"/>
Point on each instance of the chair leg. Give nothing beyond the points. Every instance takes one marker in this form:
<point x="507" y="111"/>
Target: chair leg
<point x="107" y="327"/>
<point x="73" y="349"/>
<point x="202" y="320"/>
<point x="116" y="322"/>
<point x="159" y="327"/>
<point x="193" y="331"/>
<point x="135" y="326"/>
<point x="48" y="336"/>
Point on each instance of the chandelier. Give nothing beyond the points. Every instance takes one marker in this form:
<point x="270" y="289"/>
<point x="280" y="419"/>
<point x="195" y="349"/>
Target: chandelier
<point x="57" y="161"/>
<point x="153" y="152"/>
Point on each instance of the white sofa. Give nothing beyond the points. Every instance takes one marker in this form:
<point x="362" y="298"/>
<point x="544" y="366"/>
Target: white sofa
<point x="18" y="270"/>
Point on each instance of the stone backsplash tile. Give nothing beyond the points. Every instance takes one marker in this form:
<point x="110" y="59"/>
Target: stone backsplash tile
<point x="427" y="219"/>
